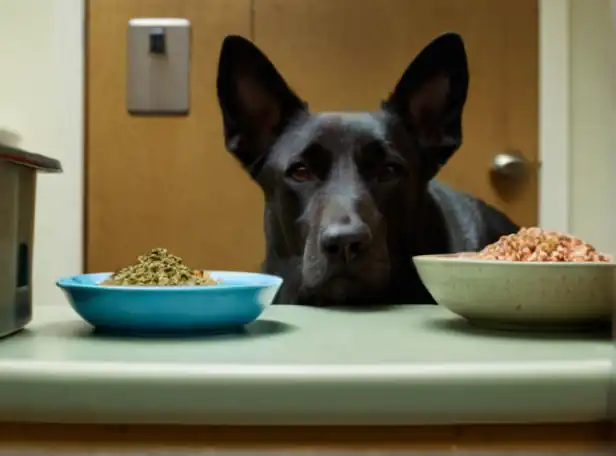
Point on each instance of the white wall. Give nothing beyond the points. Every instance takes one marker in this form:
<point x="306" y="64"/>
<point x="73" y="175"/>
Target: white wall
<point x="41" y="80"/>
<point x="578" y="190"/>
<point x="41" y="96"/>
<point x="593" y="156"/>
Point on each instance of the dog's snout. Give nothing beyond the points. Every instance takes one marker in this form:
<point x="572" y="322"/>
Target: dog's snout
<point x="345" y="241"/>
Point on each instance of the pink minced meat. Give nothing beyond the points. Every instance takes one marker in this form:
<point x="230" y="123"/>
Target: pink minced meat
<point x="535" y="244"/>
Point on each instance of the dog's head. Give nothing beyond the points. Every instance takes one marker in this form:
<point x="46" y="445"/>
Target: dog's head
<point x="343" y="190"/>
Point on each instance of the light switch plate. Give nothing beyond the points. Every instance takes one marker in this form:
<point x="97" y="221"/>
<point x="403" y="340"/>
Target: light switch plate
<point x="158" y="76"/>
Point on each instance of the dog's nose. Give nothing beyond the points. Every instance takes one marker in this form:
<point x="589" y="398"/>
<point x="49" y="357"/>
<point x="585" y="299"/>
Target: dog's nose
<point x="345" y="241"/>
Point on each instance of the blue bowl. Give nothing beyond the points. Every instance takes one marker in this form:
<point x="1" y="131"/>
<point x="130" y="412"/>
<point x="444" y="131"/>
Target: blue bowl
<point x="238" y="300"/>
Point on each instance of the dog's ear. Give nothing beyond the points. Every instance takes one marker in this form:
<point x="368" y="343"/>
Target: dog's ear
<point x="255" y="101"/>
<point x="430" y="97"/>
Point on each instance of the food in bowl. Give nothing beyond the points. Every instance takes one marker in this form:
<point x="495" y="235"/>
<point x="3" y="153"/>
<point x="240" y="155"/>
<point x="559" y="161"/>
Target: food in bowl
<point x="159" y="268"/>
<point x="527" y="280"/>
<point x="537" y="245"/>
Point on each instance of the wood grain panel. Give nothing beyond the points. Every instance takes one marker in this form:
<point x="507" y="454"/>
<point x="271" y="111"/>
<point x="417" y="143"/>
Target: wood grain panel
<point x="165" y="181"/>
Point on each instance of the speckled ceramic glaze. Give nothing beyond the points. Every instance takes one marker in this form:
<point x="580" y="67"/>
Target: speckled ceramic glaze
<point x="513" y="293"/>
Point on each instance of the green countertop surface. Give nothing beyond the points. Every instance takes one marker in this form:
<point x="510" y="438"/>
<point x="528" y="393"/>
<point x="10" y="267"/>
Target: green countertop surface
<point x="300" y="365"/>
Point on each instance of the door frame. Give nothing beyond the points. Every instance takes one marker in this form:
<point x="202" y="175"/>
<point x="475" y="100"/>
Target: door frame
<point x="554" y="113"/>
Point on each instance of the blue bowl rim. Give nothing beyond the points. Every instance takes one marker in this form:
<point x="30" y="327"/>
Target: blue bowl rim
<point x="268" y="280"/>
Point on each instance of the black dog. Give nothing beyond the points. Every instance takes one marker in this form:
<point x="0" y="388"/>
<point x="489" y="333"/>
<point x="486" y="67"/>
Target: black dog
<point x="350" y="197"/>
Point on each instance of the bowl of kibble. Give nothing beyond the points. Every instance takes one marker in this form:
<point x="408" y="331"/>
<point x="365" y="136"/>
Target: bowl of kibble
<point x="161" y="294"/>
<point x="534" y="278"/>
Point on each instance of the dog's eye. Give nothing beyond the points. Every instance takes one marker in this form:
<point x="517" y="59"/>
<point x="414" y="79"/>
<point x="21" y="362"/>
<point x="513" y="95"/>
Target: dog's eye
<point x="389" y="172"/>
<point x="299" y="173"/>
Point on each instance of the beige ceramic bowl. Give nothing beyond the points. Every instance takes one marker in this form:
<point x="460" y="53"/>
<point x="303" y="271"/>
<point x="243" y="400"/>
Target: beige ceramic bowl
<point x="508" y="293"/>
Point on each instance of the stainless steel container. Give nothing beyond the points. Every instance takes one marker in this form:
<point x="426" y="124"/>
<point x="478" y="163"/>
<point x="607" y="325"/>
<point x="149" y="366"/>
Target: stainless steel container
<point x="18" y="171"/>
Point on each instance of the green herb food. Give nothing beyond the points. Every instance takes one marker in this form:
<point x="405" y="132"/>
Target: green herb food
<point x="159" y="268"/>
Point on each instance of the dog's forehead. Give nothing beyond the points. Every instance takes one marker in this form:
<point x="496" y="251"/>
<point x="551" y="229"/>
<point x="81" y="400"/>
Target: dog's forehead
<point x="348" y="126"/>
<point x="339" y="132"/>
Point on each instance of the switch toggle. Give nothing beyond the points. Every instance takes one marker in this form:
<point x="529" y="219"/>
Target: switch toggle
<point x="158" y="41"/>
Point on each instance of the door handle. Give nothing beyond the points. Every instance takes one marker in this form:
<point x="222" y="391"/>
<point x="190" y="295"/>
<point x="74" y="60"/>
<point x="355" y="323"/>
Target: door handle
<point x="510" y="165"/>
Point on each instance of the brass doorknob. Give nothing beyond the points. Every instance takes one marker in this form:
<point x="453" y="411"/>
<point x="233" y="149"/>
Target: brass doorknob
<point x="510" y="165"/>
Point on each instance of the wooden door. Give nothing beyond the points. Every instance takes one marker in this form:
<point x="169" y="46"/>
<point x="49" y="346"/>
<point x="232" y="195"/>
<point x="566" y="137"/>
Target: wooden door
<point x="169" y="182"/>
<point x="165" y="181"/>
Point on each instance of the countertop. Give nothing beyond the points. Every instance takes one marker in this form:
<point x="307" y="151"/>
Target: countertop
<point x="299" y="365"/>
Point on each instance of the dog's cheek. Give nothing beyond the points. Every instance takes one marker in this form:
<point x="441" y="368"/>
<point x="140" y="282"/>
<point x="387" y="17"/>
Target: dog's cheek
<point x="379" y="265"/>
<point x="399" y="207"/>
<point x="309" y="223"/>
<point x="289" y="208"/>
<point x="313" y="264"/>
